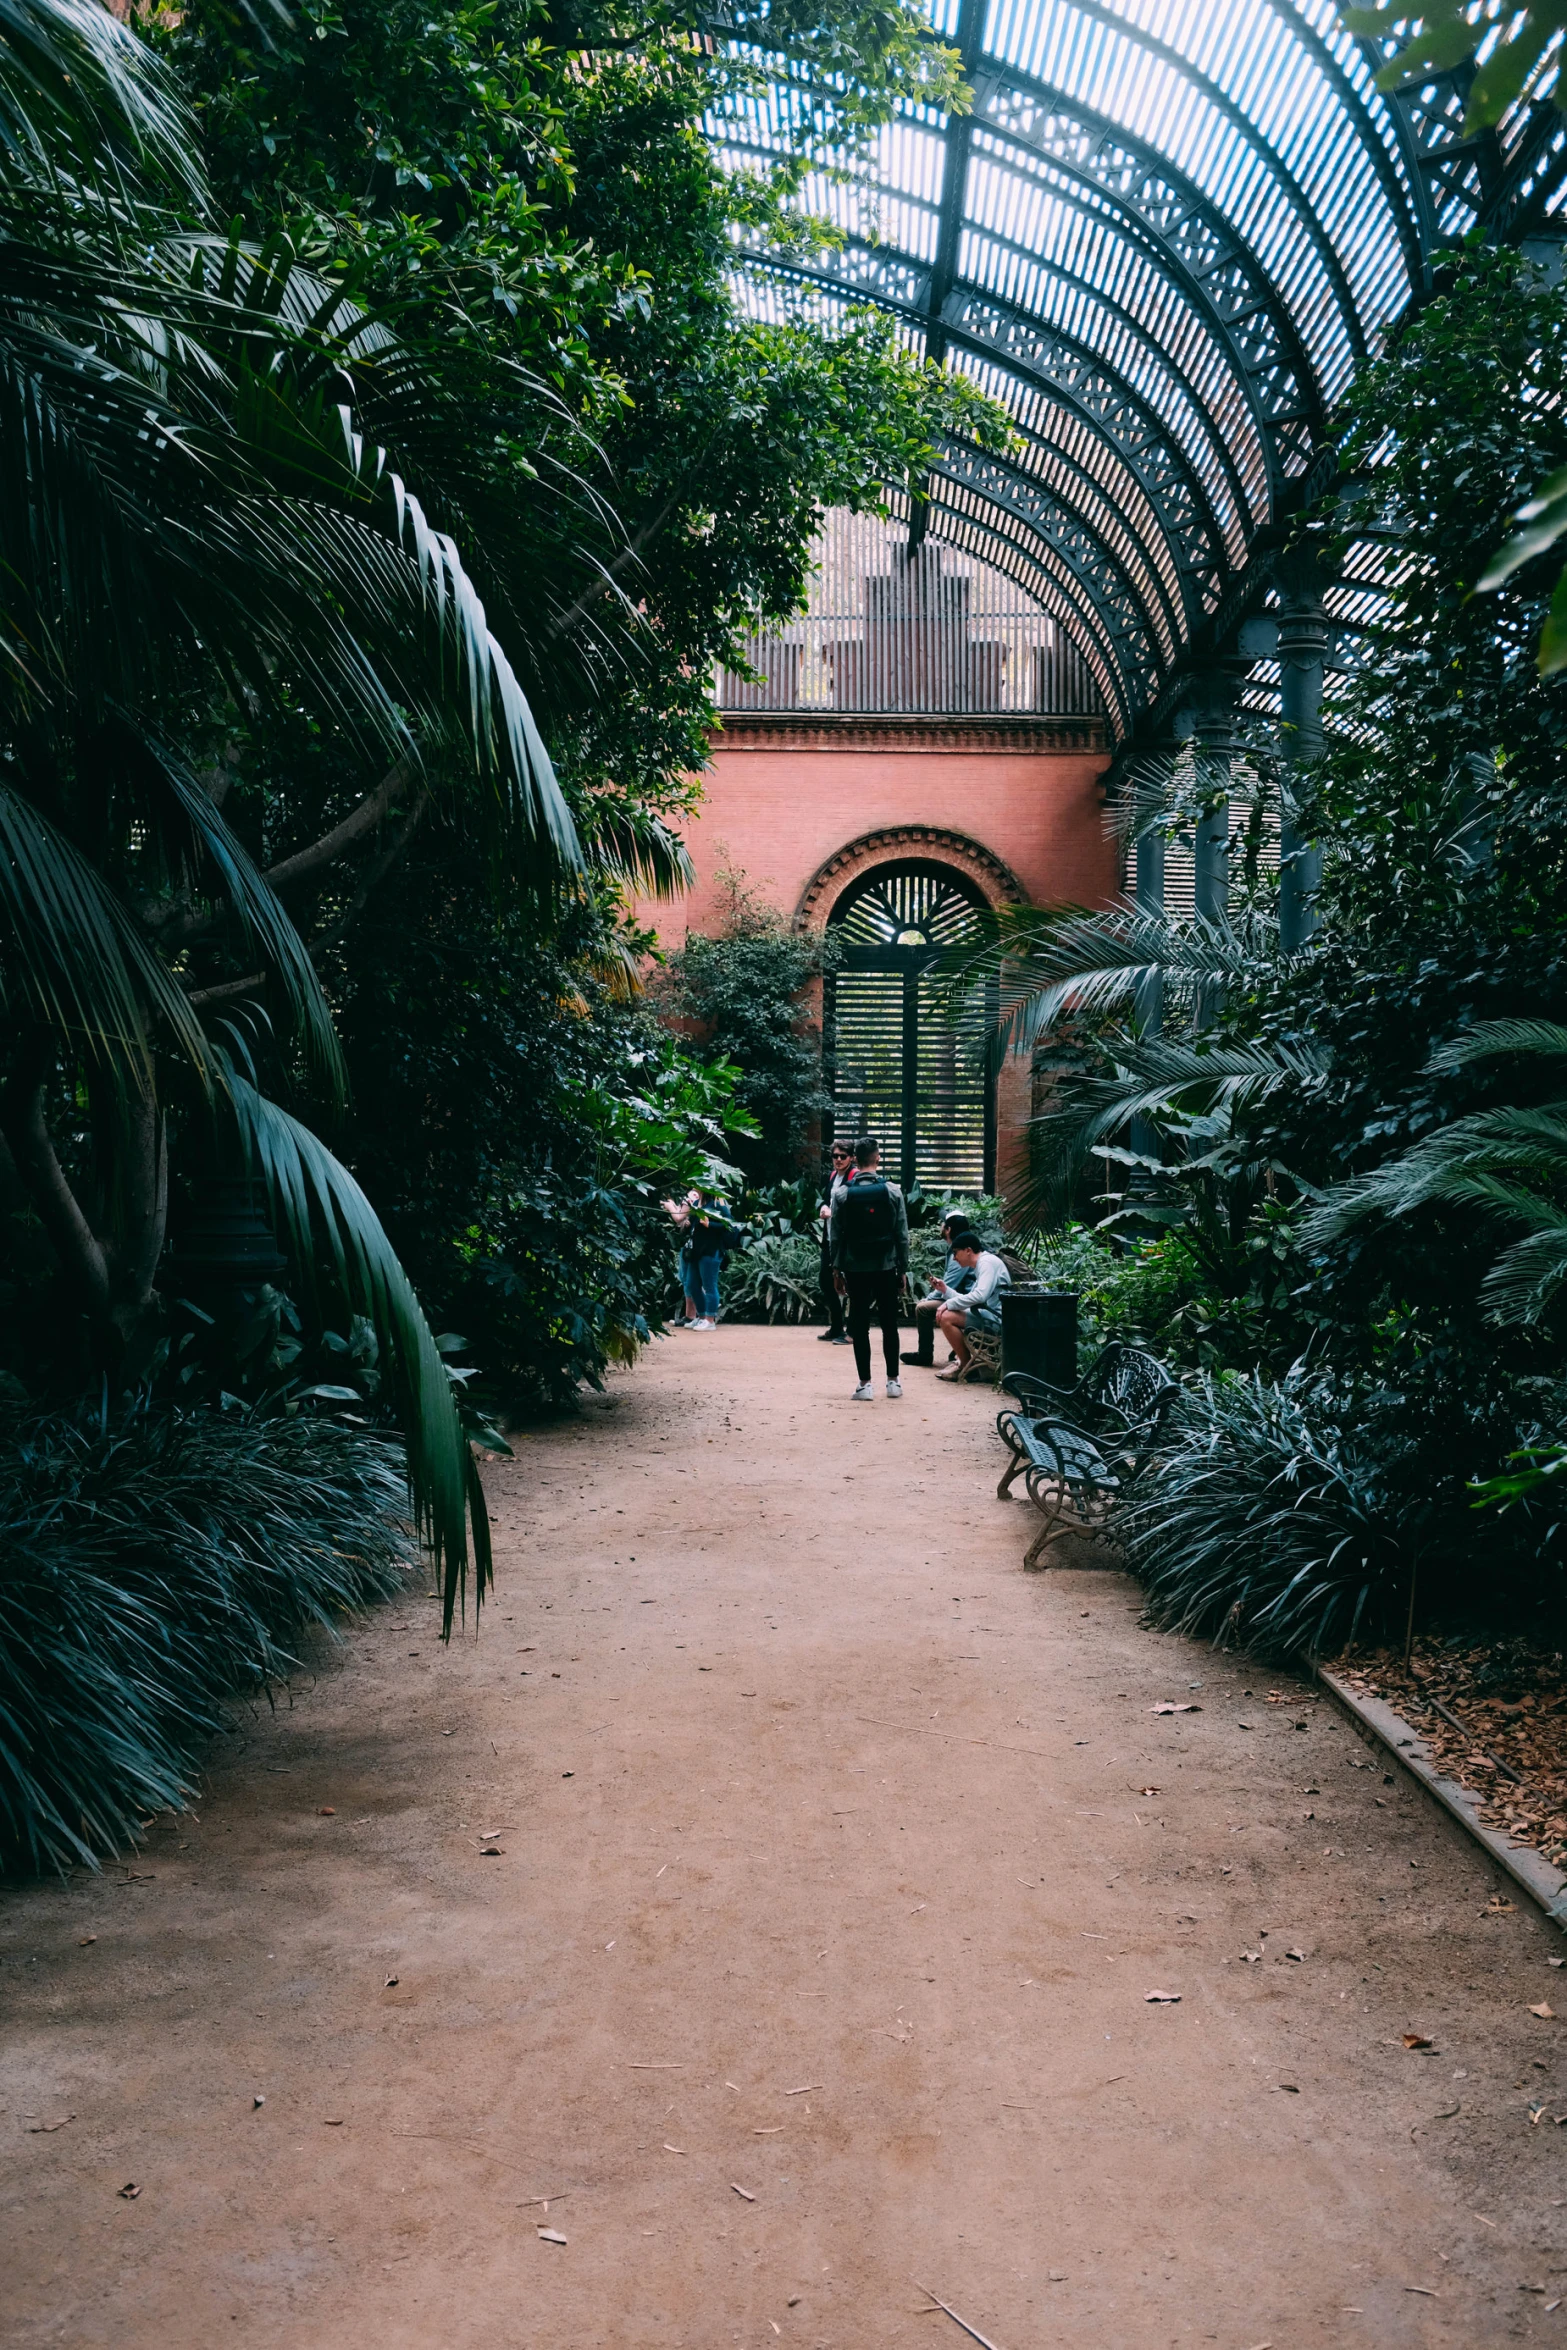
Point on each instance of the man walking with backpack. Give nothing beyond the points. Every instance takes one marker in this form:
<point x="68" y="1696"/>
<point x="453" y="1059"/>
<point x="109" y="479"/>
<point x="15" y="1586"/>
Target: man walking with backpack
<point x="870" y="1258"/>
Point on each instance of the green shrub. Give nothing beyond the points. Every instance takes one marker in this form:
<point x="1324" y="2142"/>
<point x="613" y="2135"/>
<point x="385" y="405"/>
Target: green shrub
<point x="152" y="1568"/>
<point x="1129" y="1293"/>
<point x="1261" y="1526"/>
<point x="776" y="1277"/>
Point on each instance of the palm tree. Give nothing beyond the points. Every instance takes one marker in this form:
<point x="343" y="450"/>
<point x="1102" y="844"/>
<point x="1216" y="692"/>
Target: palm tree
<point x="196" y="505"/>
<point x="1507" y="1164"/>
<point x="1119" y="1006"/>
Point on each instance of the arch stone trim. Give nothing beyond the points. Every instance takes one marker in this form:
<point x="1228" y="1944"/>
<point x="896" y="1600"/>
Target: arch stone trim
<point x="998" y="884"/>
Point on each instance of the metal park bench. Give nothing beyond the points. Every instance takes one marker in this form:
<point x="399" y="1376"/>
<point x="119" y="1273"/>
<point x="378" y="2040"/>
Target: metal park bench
<point x="1078" y="1448"/>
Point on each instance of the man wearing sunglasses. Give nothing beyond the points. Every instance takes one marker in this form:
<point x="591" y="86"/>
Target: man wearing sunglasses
<point x="842" y="1164"/>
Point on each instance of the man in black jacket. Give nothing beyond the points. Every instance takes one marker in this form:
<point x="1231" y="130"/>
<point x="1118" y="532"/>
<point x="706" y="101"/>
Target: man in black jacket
<point x="870" y="1255"/>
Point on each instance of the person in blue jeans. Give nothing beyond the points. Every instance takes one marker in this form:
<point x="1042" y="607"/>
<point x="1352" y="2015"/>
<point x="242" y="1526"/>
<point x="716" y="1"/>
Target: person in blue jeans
<point x="700" y="1256"/>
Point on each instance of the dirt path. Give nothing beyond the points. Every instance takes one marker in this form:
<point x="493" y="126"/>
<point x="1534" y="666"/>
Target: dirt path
<point x="838" y="1858"/>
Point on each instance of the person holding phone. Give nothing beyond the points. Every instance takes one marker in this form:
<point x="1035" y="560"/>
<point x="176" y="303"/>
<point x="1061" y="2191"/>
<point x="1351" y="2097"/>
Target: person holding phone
<point x="700" y="1255"/>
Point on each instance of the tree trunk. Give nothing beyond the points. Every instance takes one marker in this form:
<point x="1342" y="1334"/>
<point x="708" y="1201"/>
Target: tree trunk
<point x="110" y="1277"/>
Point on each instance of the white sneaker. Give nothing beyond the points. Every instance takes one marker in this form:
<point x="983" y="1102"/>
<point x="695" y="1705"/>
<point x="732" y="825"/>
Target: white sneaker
<point x="895" y="1387"/>
<point x="864" y="1393"/>
<point x="702" y="1323"/>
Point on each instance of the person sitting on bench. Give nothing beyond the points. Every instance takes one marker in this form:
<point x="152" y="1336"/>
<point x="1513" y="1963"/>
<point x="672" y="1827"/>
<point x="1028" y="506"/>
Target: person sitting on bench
<point x="979" y="1308"/>
<point x="954" y="1281"/>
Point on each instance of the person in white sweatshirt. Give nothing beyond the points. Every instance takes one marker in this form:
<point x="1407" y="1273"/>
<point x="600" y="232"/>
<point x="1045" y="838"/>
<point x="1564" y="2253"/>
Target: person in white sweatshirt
<point x="980" y="1306"/>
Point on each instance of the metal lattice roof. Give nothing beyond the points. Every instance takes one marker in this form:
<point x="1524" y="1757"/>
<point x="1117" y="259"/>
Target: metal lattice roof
<point x="1164" y="236"/>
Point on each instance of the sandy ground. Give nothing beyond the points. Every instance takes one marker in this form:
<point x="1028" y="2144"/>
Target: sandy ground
<point x="838" y="1858"/>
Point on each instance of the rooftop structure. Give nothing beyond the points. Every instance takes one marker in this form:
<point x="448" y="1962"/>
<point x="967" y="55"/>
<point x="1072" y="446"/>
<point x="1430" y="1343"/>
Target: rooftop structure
<point x="1164" y="236"/>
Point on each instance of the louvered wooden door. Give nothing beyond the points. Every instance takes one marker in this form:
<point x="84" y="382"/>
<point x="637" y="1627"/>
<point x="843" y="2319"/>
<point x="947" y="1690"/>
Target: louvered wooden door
<point x="903" y="1068"/>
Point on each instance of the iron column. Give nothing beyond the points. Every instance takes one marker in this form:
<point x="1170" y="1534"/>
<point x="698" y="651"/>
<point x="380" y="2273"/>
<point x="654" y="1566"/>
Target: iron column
<point x="1303" y="639"/>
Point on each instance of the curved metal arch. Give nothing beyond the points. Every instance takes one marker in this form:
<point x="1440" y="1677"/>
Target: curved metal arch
<point x="899" y="282"/>
<point x="1163" y="358"/>
<point x="1240" y="121"/>
<point x="1031" y="484"/>
<point x="1170" y="207"/>
<point x="1023" y="562"/>
<point x="1070" y="536"/>
<point x="1110" y="598"/>
<point x="1402" y="200"/>
<point x="1151" y="544"/>
<point x="1083" y="623"/>
<point x="1063" y="368"/>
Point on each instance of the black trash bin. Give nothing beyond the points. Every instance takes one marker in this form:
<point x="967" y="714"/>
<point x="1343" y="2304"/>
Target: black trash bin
<point x="1039" y="1334"/>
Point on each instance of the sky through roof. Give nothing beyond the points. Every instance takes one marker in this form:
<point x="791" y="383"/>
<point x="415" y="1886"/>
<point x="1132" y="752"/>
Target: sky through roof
<point x="1164" y="236"/>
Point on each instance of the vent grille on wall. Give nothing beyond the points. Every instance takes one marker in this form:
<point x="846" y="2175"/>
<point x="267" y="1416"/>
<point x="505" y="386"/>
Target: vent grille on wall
<point x="890" y="631"/>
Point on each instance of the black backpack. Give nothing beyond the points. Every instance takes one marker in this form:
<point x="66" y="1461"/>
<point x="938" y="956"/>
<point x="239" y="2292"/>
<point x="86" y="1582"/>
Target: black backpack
<point x="866" y="1227"/>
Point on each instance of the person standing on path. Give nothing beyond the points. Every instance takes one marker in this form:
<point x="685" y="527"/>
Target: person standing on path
<point x="701" y="1254"/>
<point x="870" y="1257"/>
<point x="842" y="1165"/>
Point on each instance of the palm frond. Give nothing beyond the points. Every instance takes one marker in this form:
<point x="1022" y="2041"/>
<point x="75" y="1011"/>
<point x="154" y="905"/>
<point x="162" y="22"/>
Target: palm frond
<point x="1046" y="963"/>
<point x="316" y="1203"/>
<point x="79" y="91"/>
<point x="1491" y="1039"/>
<point x="1528" y="1274"/>
<point x="81" y="963"/>
<point x="1457" y="1164"/>
<point x="638" y="850"/>
<point x="262" y="916"/>
<point x="1160" y="1078"/>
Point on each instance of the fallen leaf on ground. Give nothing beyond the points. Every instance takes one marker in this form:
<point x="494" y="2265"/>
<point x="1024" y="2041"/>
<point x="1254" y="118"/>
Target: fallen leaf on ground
<point x="1252" y="1957"/>
<point x="391" y="1982"/>
<point x="44" y="2128"/>
<point x="1300" y="1954"/>
<point x="130" y="2191"/>
<point x="335" y="2124"/>
<point x="550" y="2236"/>
<point x="1161" y="1999"/>
<point x="770" y="2132"/>
<point x="86" y="1938"/>
<point x="1167" y="1708"/>
<point x="1495" y="1906"/>
<point x="1293" y="2087"/>
<point x="328" y="1811"/>
<point x="1429" y="2291"/>
<point x="805" y="2091"/>
<point x="668" y="2149"/>
<point x="1418" y="2040"/>
<point x="257" y="2102"/>
<point x="1544" y="2009"/>
<point x="492" y="1852"/>
<point x="743" y="2192"/>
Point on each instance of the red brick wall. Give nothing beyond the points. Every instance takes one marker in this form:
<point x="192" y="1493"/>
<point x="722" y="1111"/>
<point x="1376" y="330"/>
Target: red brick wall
<point x="781" y="803"/>
<point x="777" y="811"/>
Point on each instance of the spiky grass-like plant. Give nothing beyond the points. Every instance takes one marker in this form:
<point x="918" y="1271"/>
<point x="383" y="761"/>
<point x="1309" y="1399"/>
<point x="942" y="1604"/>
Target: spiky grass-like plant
<point x="152" y="1568"/>
<point x="1257" y="1528"/>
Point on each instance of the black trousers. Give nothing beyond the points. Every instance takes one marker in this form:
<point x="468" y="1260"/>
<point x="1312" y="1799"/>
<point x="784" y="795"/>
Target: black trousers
<point x="878" y="1294"/>
<point x="830" y="1298"/>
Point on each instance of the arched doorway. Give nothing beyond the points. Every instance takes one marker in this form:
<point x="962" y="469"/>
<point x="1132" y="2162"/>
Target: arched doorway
<point x="904" y="1067"/>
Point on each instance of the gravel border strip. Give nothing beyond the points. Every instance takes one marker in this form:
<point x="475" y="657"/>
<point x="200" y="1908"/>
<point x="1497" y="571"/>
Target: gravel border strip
<point x="1542" y="1882"/>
